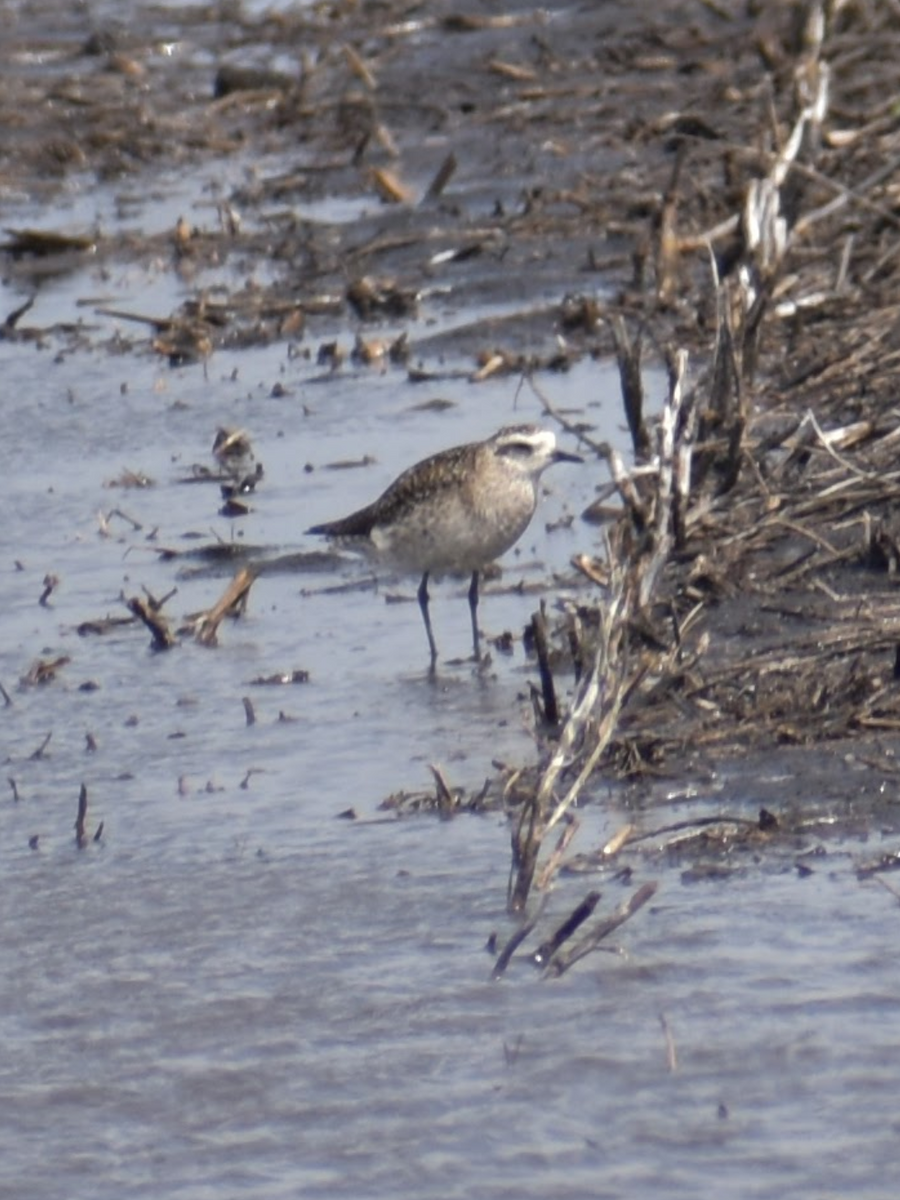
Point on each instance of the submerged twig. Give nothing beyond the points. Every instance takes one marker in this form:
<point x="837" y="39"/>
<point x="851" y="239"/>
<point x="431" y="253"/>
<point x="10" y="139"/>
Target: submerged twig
<point x="51" y="583"/>
<point x="671" y="1052"/>
<point x="80" y="834"/>
<point x="505" y="956"/>
<point x="572" y="923"/>
<point x="562" y="962"/>
<point x="232" y="603"/>
<point x="446" y="802"/>
<point x="39" y="752"/>
<point x="163" y="638"/>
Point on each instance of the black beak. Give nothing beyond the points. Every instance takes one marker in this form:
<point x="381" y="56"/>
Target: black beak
<point x="564" y="456"/>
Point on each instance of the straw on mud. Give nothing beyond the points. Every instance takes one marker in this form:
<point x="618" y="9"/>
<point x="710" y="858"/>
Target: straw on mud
<point x="389" y="186"/>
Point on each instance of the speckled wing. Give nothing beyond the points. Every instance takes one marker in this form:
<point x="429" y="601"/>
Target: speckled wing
<point x="448" y="470"/>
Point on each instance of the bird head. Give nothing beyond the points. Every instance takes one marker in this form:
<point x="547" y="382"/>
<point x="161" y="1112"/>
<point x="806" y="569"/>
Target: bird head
<point x="529" y="449"/>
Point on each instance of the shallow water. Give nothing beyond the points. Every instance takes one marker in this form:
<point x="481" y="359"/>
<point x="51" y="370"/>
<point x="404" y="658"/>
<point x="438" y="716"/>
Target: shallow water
<point x="315" y="1018"/>
<point x="234" y="993"/>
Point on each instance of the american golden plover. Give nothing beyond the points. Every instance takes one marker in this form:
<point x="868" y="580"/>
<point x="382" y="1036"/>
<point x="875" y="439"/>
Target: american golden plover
<point x="455" y="512"/>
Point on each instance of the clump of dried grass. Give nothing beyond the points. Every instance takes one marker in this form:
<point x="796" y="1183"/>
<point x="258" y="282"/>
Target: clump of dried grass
<point x="737" y="606"/>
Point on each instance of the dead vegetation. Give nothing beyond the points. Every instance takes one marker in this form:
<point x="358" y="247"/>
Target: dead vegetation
<point x="746" y="596"/>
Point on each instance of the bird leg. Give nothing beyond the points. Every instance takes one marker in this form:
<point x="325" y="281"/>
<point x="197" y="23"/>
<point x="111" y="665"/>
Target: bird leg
<point x="473" y="609"/>
<point x="423" y="605"/>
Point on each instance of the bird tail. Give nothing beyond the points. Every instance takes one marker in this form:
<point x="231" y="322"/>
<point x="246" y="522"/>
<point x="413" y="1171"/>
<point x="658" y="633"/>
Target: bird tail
<point x="358" y="524"/>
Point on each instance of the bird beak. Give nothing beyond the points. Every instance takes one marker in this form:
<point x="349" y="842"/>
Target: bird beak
<point x="564" y="456"/>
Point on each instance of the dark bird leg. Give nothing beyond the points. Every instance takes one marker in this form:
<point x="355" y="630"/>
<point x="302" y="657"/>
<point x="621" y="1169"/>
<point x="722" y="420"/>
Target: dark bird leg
<point x="423" y="605"/>
<point x="473" y="609"/>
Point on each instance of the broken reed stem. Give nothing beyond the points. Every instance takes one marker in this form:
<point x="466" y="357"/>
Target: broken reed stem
<point x="627" y="489"/>
<point x="442" y="177"/>
<point x="671" y="1052"/>
<point x="39" y="752"/>
<point x="51" y="582"/>
<point x="234" y="600"/>
<point x="628" y="357"/>
<point x="163" y="638"/>
<point x="683" y="453"/>
<point x="551" y="866"/>
<point x="572" y="923"/>
<point x="505" y="955"/>
<point x="667" y="247"/>
<point x="600" y="691"/>
<point x="605" y="688"/>
<point x="527" y="837"/>
<point x="560" y="963"/>
<point x="548" y="688"/>
<point x="444" y="793"/>
<point x="594" y="716"/>
<point x="725" y="392"/>
<point x="671" y="429"/>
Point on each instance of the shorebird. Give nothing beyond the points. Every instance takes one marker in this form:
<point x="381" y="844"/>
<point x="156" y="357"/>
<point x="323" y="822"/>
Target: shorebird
<point x="454" y="512"/>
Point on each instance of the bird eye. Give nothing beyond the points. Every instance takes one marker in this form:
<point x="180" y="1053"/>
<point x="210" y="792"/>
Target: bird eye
<point x="517" y="449"/>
